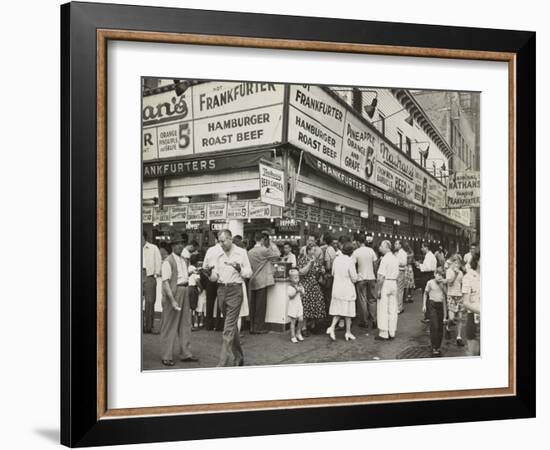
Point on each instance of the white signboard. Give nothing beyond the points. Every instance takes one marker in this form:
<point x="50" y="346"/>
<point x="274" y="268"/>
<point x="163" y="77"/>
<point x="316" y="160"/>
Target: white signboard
<point x="218" y="98"/>
<point x="272" y="185"/>
<point x="256" y="127"/>
<point x="358" y="148"/>
<point x="463" y="190"/>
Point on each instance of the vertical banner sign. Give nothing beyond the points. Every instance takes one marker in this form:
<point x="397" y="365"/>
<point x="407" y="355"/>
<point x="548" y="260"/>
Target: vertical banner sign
<point x="272" y="185"/>
<point x="463" y="190"/>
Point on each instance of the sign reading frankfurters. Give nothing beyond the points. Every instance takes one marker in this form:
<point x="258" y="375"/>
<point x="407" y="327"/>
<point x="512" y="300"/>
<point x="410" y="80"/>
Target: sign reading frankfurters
<point x="463" y="190"/>
<point x="272" y="185"/>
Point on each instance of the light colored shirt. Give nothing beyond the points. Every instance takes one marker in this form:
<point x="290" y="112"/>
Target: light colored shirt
<point x="435" y="291"/>
<point x="401" y="256"/>
<point x="224" y="273"/>
<point x="211" y="255"/>
<point x="467" y="260"/>
<point x="185" y="254"/>
<point x="364" y="257"/>
<point x="151" y="259"/>
<point x="429" y="264"/>
<point x="454" y="285"/>
<point x="290" y="258"/>
<point x="262" y="269"/>
<point x="389" y="267"/>
<point x="330" y="256"/>
<point x="181" y="265"/>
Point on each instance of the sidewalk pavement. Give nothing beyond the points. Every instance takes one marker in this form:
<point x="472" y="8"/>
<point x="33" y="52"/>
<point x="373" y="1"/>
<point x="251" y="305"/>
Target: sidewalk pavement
<point x="411" y="341"/>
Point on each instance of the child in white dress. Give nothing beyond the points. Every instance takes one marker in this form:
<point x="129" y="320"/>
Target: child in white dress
<point x="295" y="308"/>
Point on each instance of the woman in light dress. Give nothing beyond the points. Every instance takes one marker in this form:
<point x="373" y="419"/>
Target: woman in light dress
<point x="342" y="303"/>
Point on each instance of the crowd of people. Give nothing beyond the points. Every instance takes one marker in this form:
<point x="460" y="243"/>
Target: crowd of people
<point x="331" y="284"/>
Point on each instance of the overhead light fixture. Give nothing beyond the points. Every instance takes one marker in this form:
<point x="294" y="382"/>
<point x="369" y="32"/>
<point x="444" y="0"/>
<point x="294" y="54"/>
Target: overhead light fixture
<point x="410" y="120"/>
<point x="308" y="200"/>
<point x="396" y="222"/>
<point x="184" y="199"/>
<point x="381" y="219"/>
<point x="318" y="225"/>
<point x="306" y="224"/>
<point x="371" y="109"/>
<point x="364" y="214"/>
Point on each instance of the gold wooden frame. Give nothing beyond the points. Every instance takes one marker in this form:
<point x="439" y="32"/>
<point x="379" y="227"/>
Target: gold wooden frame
<point x="104" y="35"/>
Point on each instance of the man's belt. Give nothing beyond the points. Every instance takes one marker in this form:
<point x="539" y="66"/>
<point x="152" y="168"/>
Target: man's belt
<point x="229" y="284"/>
<point x="183" y="284"/>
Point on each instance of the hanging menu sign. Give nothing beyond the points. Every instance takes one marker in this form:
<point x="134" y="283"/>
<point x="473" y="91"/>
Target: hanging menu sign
<point x="196" y="211"/>
<point x="147" y="215"/>
<point x="164" y="215"/>
<point x="326" y="216"/>
<point x="216" y="211"/>
<point x="258" y="210"/>
<point x="301" y="211"/>
<point x="314" y="213"/>
<point x="178" y="213"/>
<point x="237" y="210"/>
<point x="337" y="219"/>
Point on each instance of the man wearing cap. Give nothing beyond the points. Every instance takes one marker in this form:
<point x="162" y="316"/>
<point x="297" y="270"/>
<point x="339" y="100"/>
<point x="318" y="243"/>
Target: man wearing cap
<point x="260" y="258"/>
<point x="365" y="258"/>
<point x="388" y="271"/>
<point x="229" y="268"/>
<point x="175" y="325"/>
<point x="151" y="272"/>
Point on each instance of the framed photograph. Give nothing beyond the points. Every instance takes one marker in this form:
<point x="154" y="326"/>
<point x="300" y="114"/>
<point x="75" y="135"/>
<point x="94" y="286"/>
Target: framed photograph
<point x="279" y="224"/>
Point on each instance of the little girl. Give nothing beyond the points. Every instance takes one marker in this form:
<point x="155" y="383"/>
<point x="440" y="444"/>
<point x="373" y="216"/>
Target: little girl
<point x="295" y="308"/>
<point x="436" y="305"/>
<point x="197" y="298"/>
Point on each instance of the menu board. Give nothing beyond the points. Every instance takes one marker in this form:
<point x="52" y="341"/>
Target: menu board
<point x="216" y="211"/>
<point x="302" y="212"/>
<point x="326" y="216"/>
<point x="147" y="215"/>
<point x="337" y="219"/>
<point x="164" y="215"/>
<point x="237" y="210"/>
<point x="258" y="210"/>
<point x="314" y="213"/>
<point x="178" y="213"/>
<point x="352" y="221"/>
<point x="196" y="211"/>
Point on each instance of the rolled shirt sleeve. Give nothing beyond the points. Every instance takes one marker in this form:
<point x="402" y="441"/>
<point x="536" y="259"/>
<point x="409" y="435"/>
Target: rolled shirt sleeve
<point x="246" y="269"/>
<point x="166" y="271"/>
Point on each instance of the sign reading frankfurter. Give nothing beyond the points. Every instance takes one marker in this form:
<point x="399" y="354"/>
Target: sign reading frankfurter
<point x="316" y="122"/>
<point x="272" y="185"/>
<point x="463" y="190"/>
<point x="211" y="117"/>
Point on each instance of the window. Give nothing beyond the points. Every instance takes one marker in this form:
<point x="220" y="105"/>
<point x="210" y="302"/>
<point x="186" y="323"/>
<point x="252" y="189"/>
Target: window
<point x="408" y="147"/>
<point x="400" y="143"/>
<point x="452" y="135"/>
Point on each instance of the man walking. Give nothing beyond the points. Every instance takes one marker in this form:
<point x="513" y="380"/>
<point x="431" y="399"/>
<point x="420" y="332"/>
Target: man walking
<point x="262" y="277"/>
<point x="365" y="257"/>
<point x="151" y="272"/>
<point x="401" y="256"/>
<point x="387" y="289"/>
<point x="211" y="290"/>
<point x="427" y="267"/>
<point x="175" y="329"/>
<point x="228" y="270"/>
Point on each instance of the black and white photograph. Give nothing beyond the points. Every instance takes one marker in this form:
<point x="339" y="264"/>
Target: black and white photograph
<point x="306" y="224"/>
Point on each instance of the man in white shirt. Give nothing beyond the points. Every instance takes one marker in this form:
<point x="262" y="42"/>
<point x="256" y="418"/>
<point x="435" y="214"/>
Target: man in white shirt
<point x="427" y="267"/>
<point x="175" y="331"/>
<point x="151" y="271"/>
<point x="365" y="257"/>
<point x="288" y="256"/>
<point x="211" y="291"/>
<point x="468" y="256"/>
<point x="388" y="271"/>
<point x="401" y="256"/>
<point x="189" y="250"/>
<point x="229" y="269"/>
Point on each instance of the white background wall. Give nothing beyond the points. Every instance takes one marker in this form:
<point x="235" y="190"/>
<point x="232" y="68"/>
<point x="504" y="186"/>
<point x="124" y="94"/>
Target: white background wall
<point x="30" y="224"/>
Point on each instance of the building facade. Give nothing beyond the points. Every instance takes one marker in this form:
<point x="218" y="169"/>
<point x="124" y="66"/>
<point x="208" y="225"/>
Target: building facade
<point x="352" y="161"/>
